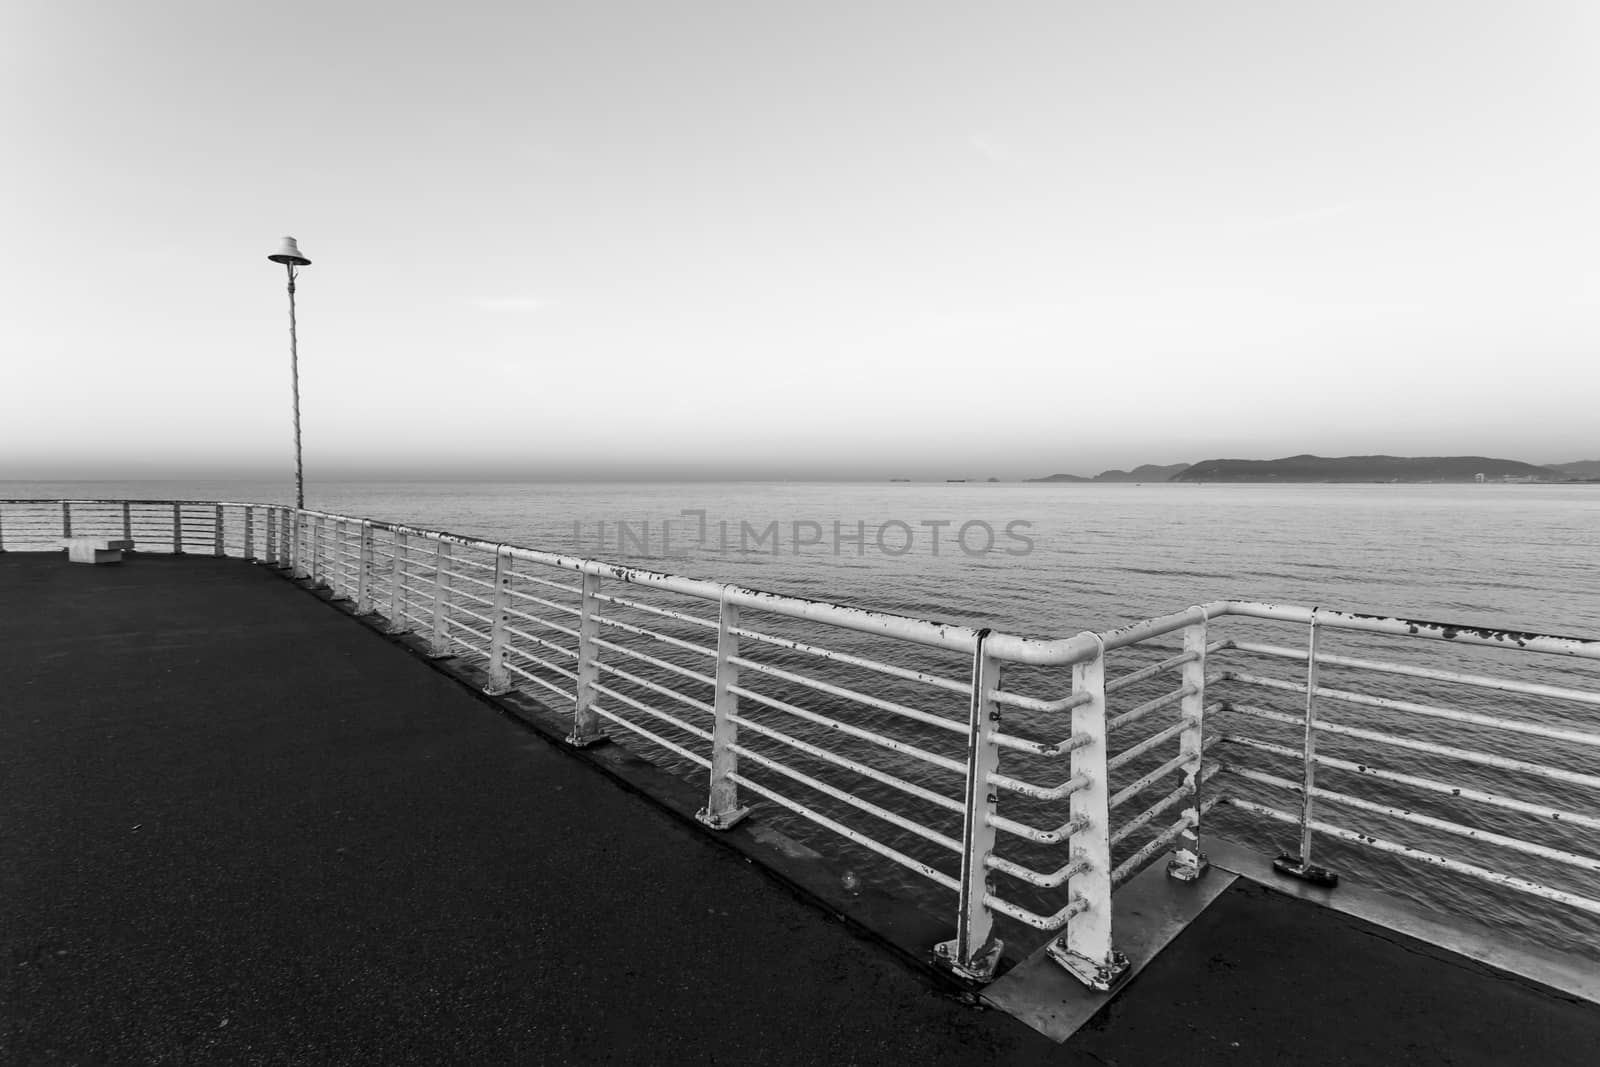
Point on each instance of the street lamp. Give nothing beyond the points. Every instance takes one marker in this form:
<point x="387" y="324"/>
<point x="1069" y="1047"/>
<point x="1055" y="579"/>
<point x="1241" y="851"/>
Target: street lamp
<point x="289" y="255"/>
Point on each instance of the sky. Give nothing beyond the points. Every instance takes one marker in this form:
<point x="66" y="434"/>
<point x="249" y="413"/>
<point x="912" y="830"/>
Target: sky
<point x="822" y="239"/>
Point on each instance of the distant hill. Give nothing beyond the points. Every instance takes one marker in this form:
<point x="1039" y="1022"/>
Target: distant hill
<point x="1058" y="478"/>
<point x="1583" y="468"/>
<point x="1361" y="469"/>
<point x="1148" y="472"/>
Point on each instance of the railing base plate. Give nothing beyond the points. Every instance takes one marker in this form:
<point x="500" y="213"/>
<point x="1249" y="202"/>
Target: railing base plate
<point x="1295" y="867"/>
<point x="724" y="820"/>
<point x="1100" y="975"/>
<point x="982" y="966"/>
<point x="1179" y="871"/>
<point x="587" y="740"/>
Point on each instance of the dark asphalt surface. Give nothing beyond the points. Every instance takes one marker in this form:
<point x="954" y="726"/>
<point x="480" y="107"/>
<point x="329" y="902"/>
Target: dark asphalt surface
<point x="238" y="827"/>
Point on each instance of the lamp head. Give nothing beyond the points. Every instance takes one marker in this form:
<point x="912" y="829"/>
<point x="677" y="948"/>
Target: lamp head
<point x="290" y="254"/>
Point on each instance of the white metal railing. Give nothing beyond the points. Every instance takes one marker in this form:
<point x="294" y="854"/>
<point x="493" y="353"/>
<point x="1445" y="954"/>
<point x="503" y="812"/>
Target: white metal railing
<point x="1028" y="798"/>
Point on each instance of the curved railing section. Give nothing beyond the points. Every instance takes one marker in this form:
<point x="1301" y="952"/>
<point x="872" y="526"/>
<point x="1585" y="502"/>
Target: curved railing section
<point x="1021" y="781"/>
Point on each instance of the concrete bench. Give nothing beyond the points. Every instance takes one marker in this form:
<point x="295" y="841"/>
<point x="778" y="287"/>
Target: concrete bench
<point x="95" y="549"/>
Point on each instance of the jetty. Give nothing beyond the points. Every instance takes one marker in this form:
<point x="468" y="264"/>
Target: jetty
<point x="278" y="786"/>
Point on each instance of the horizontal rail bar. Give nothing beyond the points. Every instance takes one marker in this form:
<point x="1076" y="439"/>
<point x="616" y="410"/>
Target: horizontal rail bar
<point x="1479" y="681"/>
<point x="1401" y="627"/>
<point x="1161" y="842"/>
<point x="1140" y="711"/>
<point x="653" y="610"/>
<point x="554" y="688"/>
<point x="543" y="602"/>
<point x="633" y="727"/>
<point x="942" y="762"/>
<point x="457" y="609"/>
<point x="1077" y="905"/>
<point x="892" y="818"/>
<point x="1554" y="733"/>
<point x="852" y="695"/>
<point x="640" y="631"/>
<point x="845" y="762"/>
<point x="537" y="621"/>
<point x="1478" y="795"/>
<point x="541" y="661"/>
<point x="1039" y="792"/>
<point x="1128" y="755"/>
<point x="1133" y="677"/>
<point x="551" y="645"/>
<point x="1466" y="755"/>
<point x="1042" y="748"/>
<point x="671" y="694"/>
<point x="524" y="576"/>
<point x="854" y="661"/>
<point x="1043" y="707"/>
<point x="1061" y="833"/>
<point x="1495" y="877"/>
<point x="663" y="664"/>
<point x="1572" y="859"/>
<point x="1045" y="881"/>
<point x="657" y="713"/>
<point x="933" y="874"/>
<point x="1143" y="782"/>
<point x="457" y="624"/>
<point x="1138" y="822"/>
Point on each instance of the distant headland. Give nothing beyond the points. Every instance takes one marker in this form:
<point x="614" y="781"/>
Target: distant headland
<point x="1308" y="468"/>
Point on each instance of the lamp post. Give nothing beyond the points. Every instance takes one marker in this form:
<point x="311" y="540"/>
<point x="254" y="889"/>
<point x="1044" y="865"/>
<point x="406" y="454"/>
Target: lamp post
<point x="289" y="255"/>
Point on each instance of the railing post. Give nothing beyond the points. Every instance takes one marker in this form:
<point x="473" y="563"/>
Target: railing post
<point x="292" y="521"/>
<point x="177" y="529"/>
<point x="1085" y="948"/>
<point x="66" y="519"/>
<point x="2" y="527"/>
<point x="250" y="533"/>
<point x="499" y="678"/>
<point x="586" y="729"/>
<point x="1188" y="863"/>
<point x="439" y="636"/>
<point x="127" y="523"/>
<point x="397" y="573"/>
<point x="722" y="810"/>
<point x="289" y="532"/>
<point x="269" y="536"/>
<point x="338" y="582"/>
<point x="317" y="579"/>
<point x="975" y="951"/>
<point x="364" y="572"/>
<point x="1301" y="866"/>
<point x="216" y="531"/>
